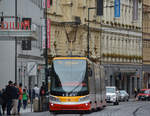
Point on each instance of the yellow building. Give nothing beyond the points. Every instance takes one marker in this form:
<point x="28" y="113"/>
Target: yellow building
<point x="114" y="42"/>
<point x="68" y="38"/>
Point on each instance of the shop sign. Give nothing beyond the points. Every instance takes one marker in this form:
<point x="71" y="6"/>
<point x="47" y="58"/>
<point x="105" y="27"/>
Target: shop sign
<point x="32" y="68"/>
<point x="24" y="25"/>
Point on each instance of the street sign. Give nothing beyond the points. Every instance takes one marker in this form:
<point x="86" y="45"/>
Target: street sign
<point x="32" y="68"/>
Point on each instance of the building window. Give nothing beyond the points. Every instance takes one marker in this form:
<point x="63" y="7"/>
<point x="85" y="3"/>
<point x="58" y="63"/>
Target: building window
<point x="146" y="44"/>
<point x="51" y="2"/>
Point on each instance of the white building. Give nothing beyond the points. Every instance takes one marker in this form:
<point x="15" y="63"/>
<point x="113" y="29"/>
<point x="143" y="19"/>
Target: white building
<point x="25" y="9"/>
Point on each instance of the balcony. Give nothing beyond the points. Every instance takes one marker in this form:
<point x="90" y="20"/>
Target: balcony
<point x="19" y="34"/>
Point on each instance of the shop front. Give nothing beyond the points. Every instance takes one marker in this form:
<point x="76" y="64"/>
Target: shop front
<point x="124" y="77"/>
<point x="146" y="76"/>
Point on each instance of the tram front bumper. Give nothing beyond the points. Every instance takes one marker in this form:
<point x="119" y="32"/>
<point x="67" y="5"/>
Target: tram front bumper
<point x="55" y="107"/>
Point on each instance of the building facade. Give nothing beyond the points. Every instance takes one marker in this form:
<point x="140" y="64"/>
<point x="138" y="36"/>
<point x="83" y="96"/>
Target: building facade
<point x="146" y="44"/>
<point x="29" y="60"/>
<point x="67" y="37"/>
<point x="122" y="45"/>
<point x="116" y="43"/>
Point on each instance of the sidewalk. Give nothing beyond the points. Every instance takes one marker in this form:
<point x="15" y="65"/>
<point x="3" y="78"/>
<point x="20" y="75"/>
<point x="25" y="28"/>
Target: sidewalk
<point x="30" y="109"/>
<point x="36" y="114"/>
<point x="27" y="110"/>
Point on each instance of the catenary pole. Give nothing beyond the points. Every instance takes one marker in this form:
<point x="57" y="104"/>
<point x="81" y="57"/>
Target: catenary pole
<point x="16" y="42"/>
<point x="88" y="36"/>
<point x="46" y="54"/>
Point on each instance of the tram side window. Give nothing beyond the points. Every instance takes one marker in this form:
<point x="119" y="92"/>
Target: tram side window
<point x="54" y="77"/>
<point x="57" y="81"/>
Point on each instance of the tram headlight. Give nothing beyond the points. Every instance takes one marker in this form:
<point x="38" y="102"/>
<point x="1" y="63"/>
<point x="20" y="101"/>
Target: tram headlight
<point x="52" y="98"/>
<point x="85" y="98"/>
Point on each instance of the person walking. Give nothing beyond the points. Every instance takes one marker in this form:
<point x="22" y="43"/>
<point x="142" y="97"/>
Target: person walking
<point x="4" y="96"/>
<point x="15" y="99"/>
<point x="9" y="93"/>
<point x="135" y="92"/>
<point x="36" y="104"/>
<point x="20" y="98"/>
<point x="43" y="90"/>
<point x="1" y="102"/>
<point x="42" y="96"/>
<point x="25" y="98"/>
<point x="36" y="91"/>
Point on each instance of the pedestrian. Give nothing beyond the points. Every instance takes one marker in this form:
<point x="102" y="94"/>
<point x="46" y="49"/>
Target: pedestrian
<point x="4" y="96"/>
<point x="43" y="90"/>
<point x="26" y="90"/>
<point x="135" y="92"/>
<point x="138" y="91"/>
<point x="1" y="102"/>
<point x="20" y="98"/>
<point x="30" y="95"/>
<point x="36" y="91"/>
<point x="42" y="95"/>
<point x="25" y="98"/>
<point x="9" y="94"/>
<point x="15" y="99"/>
<point x="36" y="97"/>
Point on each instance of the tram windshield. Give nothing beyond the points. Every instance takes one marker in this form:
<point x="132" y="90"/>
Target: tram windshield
<point x="69" y="77"/>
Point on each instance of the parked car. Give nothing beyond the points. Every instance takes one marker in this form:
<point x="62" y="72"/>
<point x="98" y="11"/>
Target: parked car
<point x="124" y="96"/>
<point x="112" y="95"/>
<point x="144" y="94"/>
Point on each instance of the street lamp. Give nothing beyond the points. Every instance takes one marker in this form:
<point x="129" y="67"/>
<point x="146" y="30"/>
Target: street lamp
<point x="88" y="36"/>
<point x="73" y="27"/>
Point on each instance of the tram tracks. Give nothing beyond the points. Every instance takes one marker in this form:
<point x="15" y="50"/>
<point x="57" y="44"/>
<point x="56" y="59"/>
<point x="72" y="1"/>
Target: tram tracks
<point x="137" y="109"/>
<point x="124" y="109"/>
<point x="65" y="114"/>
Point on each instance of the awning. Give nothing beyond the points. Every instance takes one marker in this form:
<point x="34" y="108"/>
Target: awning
<point x="128" y="70"/>
<point x="19" y="34"/>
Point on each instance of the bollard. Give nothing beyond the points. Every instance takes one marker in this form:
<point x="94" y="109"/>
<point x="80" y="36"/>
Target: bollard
<point x="35" y="104"/>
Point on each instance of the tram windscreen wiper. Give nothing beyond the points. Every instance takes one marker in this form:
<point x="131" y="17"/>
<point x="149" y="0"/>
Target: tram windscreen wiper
<point x="79" y="84"/>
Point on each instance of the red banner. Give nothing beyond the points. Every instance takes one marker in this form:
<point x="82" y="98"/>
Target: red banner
<point x="48" y="3"/>
<point x="48" y="34"/>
